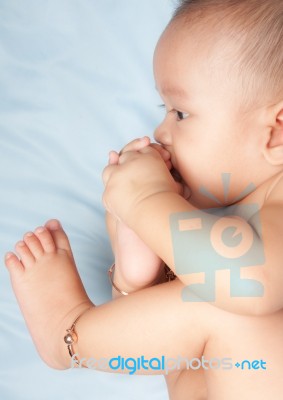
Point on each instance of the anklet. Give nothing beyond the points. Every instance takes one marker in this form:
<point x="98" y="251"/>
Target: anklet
<point x="169" y="276"/>
<point x="110" y="274"/>
<point x="72" y="337"/>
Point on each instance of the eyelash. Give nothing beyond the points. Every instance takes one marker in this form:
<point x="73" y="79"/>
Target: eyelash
<point x="180" y="114"/>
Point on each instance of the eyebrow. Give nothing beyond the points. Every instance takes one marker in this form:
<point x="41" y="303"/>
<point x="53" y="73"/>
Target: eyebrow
<point x="171" y="90"/>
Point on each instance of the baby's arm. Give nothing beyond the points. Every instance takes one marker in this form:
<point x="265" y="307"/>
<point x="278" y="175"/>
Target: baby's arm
<point x="146" y="208"/>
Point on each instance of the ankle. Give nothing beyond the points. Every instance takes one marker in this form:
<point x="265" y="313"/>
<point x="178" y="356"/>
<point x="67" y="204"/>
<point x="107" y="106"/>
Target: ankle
<point x="64" y="357"/>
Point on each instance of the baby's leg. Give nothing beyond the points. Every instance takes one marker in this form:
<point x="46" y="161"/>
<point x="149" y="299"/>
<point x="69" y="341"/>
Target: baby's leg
<point x="153" y="322"/>
<point x="138" y="267"/>
<point x="48" y="289"/>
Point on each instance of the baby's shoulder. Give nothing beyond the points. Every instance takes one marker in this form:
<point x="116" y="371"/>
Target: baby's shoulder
<point x="270" y="192"/>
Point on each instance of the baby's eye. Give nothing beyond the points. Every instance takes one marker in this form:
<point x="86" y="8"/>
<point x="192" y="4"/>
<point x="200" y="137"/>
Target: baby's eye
<point x="181" y="115"/>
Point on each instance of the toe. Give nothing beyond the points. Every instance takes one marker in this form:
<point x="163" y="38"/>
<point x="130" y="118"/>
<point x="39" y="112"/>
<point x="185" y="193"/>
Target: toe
<point x="27" y="259"/>
<point x="34" y="244"/>
<point x="13" y="263"/>
<point x="53" y="225"/>
<point x="45" y="239"/>
<point x="59" y="236"/>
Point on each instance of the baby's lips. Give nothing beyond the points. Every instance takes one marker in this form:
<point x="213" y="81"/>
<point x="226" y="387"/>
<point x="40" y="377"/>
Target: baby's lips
<point x="168" y="164"/>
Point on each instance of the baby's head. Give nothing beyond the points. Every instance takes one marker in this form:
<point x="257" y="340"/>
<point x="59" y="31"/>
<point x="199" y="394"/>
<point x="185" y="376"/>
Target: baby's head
<point x="219" y="69"/>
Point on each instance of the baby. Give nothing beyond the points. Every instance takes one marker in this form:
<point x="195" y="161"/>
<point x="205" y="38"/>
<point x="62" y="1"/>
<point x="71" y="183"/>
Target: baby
<point x="219" y="69"/>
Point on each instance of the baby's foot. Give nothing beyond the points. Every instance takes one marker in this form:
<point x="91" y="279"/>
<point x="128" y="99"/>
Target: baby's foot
<point x="48" y="289"/>
<point x="139" y="266"/>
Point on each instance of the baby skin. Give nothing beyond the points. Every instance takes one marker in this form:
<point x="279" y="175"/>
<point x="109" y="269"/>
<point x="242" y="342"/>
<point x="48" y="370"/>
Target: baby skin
<point x="136" y="265"/>
<point x="48" y="289"/>
<point x="206" y="135"/>
<point x="189" y="384"/>
<point x="51" y="295"/>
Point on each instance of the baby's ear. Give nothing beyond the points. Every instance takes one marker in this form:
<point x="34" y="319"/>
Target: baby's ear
<point x="273" y="149"/>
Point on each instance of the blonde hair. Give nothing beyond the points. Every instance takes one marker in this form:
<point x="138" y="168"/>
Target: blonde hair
<point x="256" y="29"/>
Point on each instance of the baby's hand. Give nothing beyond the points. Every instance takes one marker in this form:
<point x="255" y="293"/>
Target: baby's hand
<point x="137" y="145"/>
<point x="136" y="175"/>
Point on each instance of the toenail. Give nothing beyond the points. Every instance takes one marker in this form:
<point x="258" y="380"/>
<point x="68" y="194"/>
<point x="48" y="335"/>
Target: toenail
<point x="29" y="234"/>
<point x="39" y="230"/>
<point x="8" y="255"/>
<point x="21" y="244"/>
<point x="54" y="224"/>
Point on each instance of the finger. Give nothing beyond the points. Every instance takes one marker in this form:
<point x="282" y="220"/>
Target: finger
<point x="166" y="156"/>
<point x="136" y="145"/>
<point x="150" y="149"/>
<point x="113" y="158"/>
<point x="157" y="151"/>
<point x="162" y="151"/>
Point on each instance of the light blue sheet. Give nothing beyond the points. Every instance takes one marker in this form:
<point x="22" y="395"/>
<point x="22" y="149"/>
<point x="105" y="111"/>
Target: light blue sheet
<point x="75" y="82"/>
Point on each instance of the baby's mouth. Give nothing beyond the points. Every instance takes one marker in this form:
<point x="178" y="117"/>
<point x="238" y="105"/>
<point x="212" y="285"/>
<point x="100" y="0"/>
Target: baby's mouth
<point x="177" y="177"/>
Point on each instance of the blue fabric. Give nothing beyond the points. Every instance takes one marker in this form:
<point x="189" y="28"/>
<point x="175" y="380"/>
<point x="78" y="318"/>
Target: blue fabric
<point x="75" y="82"/>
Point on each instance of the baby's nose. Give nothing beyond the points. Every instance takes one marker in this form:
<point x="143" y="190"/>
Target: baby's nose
<point x="162" y="134"/>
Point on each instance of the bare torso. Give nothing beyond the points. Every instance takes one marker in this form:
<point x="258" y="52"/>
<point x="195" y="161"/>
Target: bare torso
<point x="258" y="340"/>
<point x="255" y="339"/>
